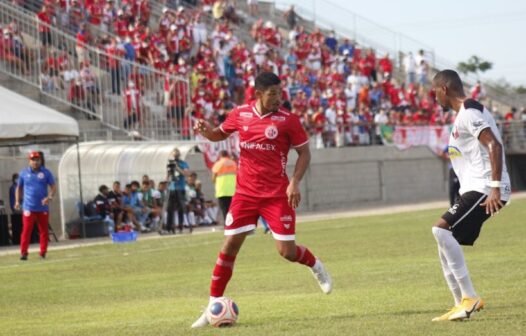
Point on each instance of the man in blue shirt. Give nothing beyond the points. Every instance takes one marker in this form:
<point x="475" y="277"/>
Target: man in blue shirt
<point x="346" y="49"/>
<point x="33" y="185"/>
<point x="177" y="171"/>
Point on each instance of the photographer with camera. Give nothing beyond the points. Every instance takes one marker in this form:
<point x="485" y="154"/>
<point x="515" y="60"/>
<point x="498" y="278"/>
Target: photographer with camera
<point x="177" y="171"/>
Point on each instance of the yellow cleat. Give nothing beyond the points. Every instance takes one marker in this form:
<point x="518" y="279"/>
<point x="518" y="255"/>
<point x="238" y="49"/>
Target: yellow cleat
<point x="480" y="305"/>
<point x="446" y="316"/>
<point x="466" y="308"/>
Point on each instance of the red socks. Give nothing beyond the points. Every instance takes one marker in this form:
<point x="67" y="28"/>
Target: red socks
<point x="222" y="274"/>
<point x="225" y="266"/>
<point x="304" y="256"/>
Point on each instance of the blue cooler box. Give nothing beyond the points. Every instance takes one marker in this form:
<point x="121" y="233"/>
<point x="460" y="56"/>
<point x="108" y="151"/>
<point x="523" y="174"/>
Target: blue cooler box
<point x="124" y="237"/>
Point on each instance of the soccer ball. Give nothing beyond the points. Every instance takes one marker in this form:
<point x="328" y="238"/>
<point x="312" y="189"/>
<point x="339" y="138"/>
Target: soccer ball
<point x="222" y="312"/>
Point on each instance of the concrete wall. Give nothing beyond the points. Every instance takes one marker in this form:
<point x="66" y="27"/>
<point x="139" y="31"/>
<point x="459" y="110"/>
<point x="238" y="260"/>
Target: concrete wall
<point x="347" y="178"/>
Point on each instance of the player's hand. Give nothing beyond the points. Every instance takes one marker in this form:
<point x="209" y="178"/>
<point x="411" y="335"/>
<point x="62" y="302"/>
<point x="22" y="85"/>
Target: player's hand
<point x="293" y="194"/>
<point x="17" y="206"/>
<point x="493" y="202"/>
<point x="45" y="201"/>
<point x="203" y="127"/>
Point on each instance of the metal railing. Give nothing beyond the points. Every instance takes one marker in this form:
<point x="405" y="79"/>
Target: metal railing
<point x="513" y="135"/>
<point x="125" y="96"/>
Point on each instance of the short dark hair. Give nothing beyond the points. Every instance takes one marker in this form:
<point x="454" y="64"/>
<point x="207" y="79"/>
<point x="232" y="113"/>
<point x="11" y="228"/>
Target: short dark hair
<point x="14" y="178"/>
<point x="451" y="80"/>
<point x="265" y="80"/>
<point x="116" y="183"/>
<point x="135" y="183"/>
<point x="103" y="187"/>
<point x="224" y="153"/>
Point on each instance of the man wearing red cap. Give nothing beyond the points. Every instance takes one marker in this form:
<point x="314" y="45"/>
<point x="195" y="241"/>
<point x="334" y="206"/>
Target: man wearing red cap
<point x="33" y="183"/>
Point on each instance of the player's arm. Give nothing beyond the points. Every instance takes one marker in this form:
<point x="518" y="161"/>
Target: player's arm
<point x="209" y="132"/>
<point x="51" y="194"/>
<point x="293" y="190"/>
<point x="494" y="147"/>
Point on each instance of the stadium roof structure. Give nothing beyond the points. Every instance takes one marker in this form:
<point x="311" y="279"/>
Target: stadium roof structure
<point x="24" y="121"/>
<point x="86" y="166"/>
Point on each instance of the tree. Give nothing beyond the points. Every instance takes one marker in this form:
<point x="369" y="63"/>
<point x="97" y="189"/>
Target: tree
<point x="475" y="65"/>
<point x="520" y="90"/>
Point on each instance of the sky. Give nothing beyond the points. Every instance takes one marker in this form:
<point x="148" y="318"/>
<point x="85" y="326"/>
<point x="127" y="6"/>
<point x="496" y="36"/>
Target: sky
<point x="455" y="29"/>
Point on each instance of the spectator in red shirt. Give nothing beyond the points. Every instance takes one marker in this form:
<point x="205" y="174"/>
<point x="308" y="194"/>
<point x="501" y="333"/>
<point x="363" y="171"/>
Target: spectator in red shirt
<point x="132" y="103"/>
<point x="477" y="92"/>
<point x="76" y="94"/>
<point x="94" y="11"/>
<point x="510" y="115"/>
<point x="386" y="66"/>
<point x="44" y="23"/>
<point x="120" y="25"/>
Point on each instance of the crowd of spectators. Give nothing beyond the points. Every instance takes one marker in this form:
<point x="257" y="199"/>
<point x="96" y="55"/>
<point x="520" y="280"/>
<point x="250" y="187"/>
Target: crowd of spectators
<point x="342" y="91"/>
<point x="142" y="206"/>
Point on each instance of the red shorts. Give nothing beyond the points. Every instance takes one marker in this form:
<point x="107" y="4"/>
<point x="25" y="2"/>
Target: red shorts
<point x="245" y="211"/>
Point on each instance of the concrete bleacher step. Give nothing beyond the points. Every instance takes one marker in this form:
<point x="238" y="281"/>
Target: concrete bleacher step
<point x="90" y="125"/>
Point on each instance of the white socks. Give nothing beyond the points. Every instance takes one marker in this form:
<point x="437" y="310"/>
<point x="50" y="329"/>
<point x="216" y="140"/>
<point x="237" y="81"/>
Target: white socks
<point x="450" y="279"/>
<point x="452" y="252"/>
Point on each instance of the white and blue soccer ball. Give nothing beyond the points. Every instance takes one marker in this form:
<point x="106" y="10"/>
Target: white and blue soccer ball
<point x="222" y="312"/>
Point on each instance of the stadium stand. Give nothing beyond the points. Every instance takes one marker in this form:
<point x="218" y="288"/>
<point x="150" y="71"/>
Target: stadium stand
<point x="148" y="68"/>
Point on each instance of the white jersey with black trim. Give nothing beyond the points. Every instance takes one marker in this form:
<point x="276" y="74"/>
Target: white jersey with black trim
<point x="470" y="159"/>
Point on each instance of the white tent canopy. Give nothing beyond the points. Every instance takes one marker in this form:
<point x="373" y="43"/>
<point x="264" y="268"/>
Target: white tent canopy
<point x="104" y="162"/>
<point x="22" y="119"/>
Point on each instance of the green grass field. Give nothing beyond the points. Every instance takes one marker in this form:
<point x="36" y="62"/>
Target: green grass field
<point x="387" y="281"/>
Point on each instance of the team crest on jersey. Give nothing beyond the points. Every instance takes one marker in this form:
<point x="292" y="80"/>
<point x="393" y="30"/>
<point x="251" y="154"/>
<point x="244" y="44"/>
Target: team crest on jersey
<point x="246" y="114"/>
<point x="40" y="175"/>
<point x="271" y="132"/>
<point x="453" y="152"/>
<point x="229" y="219"/>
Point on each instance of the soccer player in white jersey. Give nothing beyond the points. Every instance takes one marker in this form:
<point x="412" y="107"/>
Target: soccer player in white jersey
<point x="477" y="155"/>
<point x="266" y="134"/>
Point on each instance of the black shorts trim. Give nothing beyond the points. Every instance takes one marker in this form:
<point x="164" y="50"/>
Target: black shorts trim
<point x="466" y="216"/>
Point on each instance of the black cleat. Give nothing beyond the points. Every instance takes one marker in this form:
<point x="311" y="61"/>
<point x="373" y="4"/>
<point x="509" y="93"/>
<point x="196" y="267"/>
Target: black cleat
<point x="23" y="257"/>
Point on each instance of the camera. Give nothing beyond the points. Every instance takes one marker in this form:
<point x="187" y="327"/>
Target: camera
<point x="171" y="167"/>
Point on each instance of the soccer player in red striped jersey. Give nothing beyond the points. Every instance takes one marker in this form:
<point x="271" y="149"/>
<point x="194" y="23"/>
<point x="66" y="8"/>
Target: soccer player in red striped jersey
<point x="266" y="134"/>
